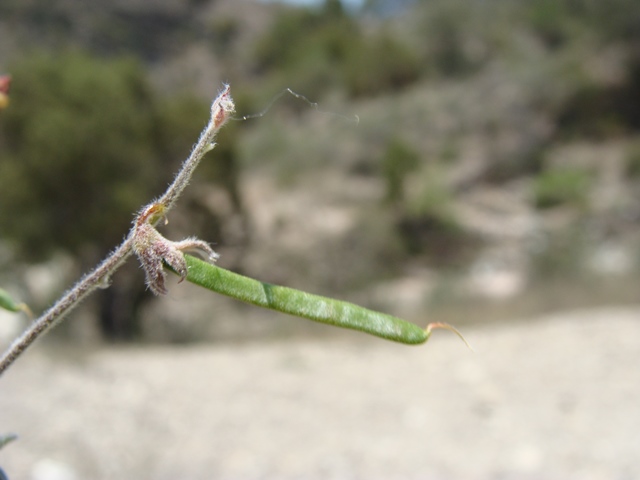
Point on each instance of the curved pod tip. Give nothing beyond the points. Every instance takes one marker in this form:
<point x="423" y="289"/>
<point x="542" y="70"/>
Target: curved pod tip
<point x="446" y="326"/>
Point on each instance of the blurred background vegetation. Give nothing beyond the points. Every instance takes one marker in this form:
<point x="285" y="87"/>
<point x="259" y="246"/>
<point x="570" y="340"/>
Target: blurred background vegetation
<point x="495" y="167"/>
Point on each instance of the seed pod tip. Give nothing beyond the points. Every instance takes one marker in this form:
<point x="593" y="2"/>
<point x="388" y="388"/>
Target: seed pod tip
<point x="432" y="326"/>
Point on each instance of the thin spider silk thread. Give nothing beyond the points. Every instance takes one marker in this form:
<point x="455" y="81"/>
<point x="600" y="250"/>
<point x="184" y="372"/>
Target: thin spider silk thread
<point x="355" y="119"/>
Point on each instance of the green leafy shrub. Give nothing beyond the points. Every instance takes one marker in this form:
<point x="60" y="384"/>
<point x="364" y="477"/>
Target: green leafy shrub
<point x="549" y="21"/>
<point x="315" y="50"/>
<point x="377" y="65"/>
<point x="77" y="149"/>
<point x="439" y="239"/>
<point x="87" y="140"/>
<point x="561" y="187"/>
<point x="633" y="160"/>
<point x="447" y="30"/>
<point x="429" y="225"/>
<point x="398" y="160"/>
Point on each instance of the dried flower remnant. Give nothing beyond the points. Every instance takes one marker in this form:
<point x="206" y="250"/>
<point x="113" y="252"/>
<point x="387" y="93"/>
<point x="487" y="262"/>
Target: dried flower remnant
<point x="222" y="107"/>
<point x="155" y="251"/>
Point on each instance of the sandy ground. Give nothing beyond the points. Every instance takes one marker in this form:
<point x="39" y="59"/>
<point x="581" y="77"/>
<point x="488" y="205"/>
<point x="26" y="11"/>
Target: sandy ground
<point x="556" y="397"/>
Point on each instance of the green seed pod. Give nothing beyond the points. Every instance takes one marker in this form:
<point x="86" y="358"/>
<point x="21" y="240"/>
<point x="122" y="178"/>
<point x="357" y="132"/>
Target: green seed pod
<point x="306" y="305"/>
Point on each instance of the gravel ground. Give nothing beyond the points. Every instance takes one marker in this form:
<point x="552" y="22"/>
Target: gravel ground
<point x="557" y="397"/>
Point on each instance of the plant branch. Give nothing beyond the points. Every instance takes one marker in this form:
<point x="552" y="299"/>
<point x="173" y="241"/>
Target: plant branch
<point x="68" y="302"/>
<point x="221" y="108"/>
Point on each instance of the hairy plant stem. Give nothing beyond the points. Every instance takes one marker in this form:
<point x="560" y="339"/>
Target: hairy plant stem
<point x="221" y="109"/>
